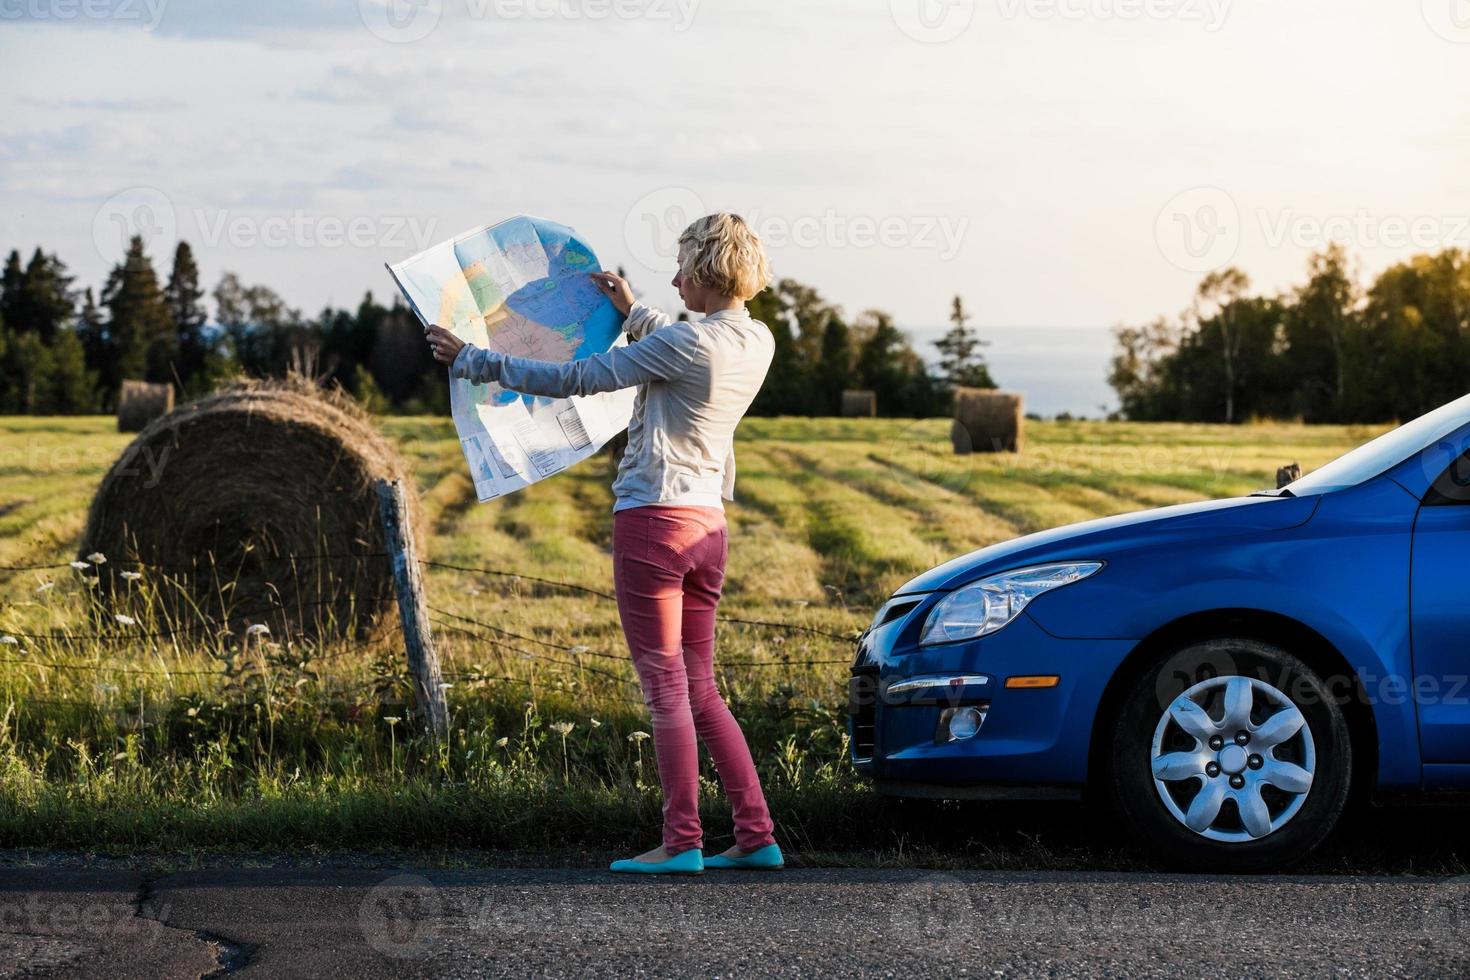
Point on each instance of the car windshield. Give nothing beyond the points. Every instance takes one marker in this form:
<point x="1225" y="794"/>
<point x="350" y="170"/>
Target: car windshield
<point x="1389" y="449"/>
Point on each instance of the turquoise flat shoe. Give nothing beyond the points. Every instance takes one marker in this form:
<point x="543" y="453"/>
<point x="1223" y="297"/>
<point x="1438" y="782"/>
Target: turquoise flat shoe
<point x="690" y="862"/>
<point x="767" y="858"/>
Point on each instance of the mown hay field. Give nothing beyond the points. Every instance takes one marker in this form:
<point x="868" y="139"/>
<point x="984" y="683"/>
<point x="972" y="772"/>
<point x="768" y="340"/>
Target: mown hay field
<point x="140" y="741"/>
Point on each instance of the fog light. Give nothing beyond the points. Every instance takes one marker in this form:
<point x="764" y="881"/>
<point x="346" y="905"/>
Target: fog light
<point x="962" y="723"/>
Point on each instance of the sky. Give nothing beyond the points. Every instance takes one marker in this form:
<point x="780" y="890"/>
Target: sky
<point x="1064" y="163"/>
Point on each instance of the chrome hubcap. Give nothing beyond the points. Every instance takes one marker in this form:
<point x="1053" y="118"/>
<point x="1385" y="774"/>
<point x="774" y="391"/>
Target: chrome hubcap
<point x="1233" y="759"/>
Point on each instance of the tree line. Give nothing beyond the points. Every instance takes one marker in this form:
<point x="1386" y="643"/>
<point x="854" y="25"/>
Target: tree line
<point x="1330" y="350"/>
<point x="64" y="351"/>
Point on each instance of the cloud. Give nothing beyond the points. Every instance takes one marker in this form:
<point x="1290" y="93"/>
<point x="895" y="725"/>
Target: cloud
<point x="106" y="105"/>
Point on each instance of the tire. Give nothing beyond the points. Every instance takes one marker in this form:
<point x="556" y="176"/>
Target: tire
<point x="1171" y="765"/>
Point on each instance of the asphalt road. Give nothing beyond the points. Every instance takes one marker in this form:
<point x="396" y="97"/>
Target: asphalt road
<point x="360" y="923"/>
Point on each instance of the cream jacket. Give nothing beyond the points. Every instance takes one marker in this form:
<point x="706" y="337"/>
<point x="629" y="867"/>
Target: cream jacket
<point x="695" y="380"/>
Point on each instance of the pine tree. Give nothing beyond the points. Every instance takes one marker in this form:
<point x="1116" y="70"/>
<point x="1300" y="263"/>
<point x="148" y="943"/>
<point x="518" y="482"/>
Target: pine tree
<point x="73" y="387"/>
<point x="183" y="295"/>
<point x="36" y="304"/>
<point x="834" y="367"/>
<point x="888" y="365"/>
<point x="12" y="281"/>
<point x="46" y="304"/>
<point x="92" y="332"/>
<point x="7" y="384"/>
<point x="138" y="318"/>
<point x="28" y="372"/>
<point x="961" y="362"/>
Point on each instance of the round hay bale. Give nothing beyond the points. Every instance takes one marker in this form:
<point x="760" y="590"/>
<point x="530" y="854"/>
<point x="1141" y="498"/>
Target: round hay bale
<point x="859" y="404"/>
<point x="988" y="421"/>
<point x="140" y="402"/>
<point x="250" y="485"/>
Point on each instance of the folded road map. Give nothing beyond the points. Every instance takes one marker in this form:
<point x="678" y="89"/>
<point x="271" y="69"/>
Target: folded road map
<point x="520" y="287"/>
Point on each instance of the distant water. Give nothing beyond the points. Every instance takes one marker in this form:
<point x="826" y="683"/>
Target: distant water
<point x="1058" y="369"/>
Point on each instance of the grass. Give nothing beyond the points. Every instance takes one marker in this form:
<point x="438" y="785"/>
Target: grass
<point x="236" y="742"/>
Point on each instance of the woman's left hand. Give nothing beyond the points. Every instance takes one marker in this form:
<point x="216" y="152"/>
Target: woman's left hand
<point x="444" y="344"/>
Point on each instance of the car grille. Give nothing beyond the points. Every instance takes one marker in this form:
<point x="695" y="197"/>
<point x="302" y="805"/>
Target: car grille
<point x="862" y="703"/>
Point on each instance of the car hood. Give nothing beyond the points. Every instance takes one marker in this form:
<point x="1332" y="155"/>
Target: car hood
<point x="1096" y="539"/>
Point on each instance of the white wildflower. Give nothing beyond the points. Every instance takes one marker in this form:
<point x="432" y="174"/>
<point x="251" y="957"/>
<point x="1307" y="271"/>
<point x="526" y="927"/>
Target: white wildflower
<point x="594" y="722"/>
<point x="638" y="736"/>
<point x="80" y="566"/>
<point x="502" y="742"/>
<point x="580" y="648"/>
<point x="392" y="719"/>
<point x="132" y="576"/>
<point x="257" y="629"/>
<point x="563" y="728"/>
<point x="125" y="620"/>
<point x="97" y="558"/>
<point x="10" y="640"/>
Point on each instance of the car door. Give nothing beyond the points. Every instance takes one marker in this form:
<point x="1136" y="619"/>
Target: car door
<point x="1439" y="609"/>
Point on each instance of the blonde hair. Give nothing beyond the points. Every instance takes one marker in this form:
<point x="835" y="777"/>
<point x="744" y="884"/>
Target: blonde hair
<point x="722" y="252"/>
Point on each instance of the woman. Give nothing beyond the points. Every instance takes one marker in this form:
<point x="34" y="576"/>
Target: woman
<point x="695" y="380"/>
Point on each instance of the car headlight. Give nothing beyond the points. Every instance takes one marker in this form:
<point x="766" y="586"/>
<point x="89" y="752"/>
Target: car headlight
<point x="983" y="607"/>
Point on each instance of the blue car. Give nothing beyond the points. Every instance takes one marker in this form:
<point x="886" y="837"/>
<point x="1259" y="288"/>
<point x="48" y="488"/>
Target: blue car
<point x="1225" y="674"/>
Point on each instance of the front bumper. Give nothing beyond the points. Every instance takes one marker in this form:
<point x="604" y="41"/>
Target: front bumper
<point x="1033" y="738"/>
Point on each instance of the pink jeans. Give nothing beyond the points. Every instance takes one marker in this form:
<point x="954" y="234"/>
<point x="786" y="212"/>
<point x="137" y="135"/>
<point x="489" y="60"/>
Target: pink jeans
<point x="669" y="567"/>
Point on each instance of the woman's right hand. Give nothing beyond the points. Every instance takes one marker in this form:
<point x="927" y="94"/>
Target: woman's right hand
<point x="615" y="288"/>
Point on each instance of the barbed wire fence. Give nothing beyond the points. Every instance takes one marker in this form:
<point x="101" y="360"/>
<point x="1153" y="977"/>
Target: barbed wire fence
<point x="496" y="636"/>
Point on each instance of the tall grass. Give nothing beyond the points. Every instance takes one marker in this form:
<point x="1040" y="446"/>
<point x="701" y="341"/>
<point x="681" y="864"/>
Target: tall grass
<point x="205" y="739"/>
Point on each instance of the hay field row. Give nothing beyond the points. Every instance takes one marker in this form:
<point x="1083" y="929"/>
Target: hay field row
<point x="285" y="745"/>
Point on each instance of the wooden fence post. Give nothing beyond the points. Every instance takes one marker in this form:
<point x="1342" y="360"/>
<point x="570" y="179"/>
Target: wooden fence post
<point x="412" y="609"/>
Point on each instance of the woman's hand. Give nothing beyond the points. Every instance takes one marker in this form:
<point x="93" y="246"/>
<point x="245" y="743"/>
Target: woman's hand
<point x="615" y="288"/>
<point x="444" y="344"/>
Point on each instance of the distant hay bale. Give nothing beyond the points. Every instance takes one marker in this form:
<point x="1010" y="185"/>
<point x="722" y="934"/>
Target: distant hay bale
<point x="140" y="402"/>
<point x="987" y="421"/>
<point x="859" y="404"/>
<point x="1289" y="473"/>
<point x="226" y="487"/>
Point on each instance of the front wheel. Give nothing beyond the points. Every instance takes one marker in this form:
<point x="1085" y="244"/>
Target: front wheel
<point x="1229" y="755"/>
